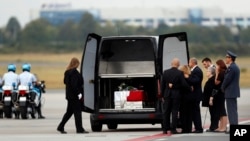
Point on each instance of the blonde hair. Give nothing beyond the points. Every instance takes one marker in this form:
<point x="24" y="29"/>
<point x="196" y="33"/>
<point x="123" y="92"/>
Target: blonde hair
<point x="74" y="63"/>
<point x="185" y="69"/>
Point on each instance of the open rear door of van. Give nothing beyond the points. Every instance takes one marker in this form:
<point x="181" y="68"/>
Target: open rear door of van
<point x="171" y="46"/>
<point x="88" y="70"/>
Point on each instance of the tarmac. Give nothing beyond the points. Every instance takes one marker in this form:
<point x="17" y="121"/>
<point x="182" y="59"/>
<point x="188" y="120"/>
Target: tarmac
<point x="55" y="105"/>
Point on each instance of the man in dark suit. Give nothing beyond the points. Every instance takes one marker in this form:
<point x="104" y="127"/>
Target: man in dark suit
<point x="195" y="79"/>
<point x="172" y="83"/>
<point x="231" y="87"/>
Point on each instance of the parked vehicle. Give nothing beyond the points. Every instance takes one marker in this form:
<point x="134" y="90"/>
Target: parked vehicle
<point x="138" y="62"/>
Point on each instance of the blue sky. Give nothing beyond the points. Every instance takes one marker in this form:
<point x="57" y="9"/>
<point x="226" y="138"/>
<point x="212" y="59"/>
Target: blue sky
<point x="21" y="8"/>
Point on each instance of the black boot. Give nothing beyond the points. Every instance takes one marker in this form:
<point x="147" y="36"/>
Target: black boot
<point x="1" y="114"/>
<point x="39" y="111"/>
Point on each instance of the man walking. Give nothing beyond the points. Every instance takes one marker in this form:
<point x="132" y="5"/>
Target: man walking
<point x="231" y="87"/>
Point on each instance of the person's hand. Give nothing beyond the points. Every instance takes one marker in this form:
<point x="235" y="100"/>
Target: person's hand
<point x="186" y="75"/>
<point x="211" y="101"/>
<point x="192" y="88"/>
<point x="162" y="99"/>
<point x="79" y="95"/>
<point x="217" y="70"/>
<point x="170" y="85"/>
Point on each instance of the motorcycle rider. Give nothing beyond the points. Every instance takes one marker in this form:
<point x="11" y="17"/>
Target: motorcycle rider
<point x="26" y="78"/>
<point x="10" y="78"/>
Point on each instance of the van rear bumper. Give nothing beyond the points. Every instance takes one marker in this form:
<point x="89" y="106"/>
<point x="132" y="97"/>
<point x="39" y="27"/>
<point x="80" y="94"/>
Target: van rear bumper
<point x="126" y="118"/>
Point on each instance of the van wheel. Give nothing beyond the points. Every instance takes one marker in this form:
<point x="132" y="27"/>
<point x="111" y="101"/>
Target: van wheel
<point x="96" y="126"/>
<point x="112" y="126"/>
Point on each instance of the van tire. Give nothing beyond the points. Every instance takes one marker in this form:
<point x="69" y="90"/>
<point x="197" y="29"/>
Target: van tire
<point x="112" y="126"/>
<point x="96" y="126"/>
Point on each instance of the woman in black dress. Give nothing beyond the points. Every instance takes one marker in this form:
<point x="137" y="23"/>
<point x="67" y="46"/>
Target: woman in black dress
<point x="220" y="72"/>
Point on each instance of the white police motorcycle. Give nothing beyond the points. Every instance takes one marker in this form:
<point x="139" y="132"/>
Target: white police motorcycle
<point x="9" y="97"/>
<point x="27" y="101"/>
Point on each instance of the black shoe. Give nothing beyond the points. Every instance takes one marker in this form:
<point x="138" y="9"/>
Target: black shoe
<point x="198" y="131"/>
<point x="185" y="132"/>
<point x="209" y="130"/>
<point x="82" y="132"/>
<point x="41" y="117"/>
<point x="33" y="116"/>
<point x="175" y="132"/>
<point x="61" y="131"/>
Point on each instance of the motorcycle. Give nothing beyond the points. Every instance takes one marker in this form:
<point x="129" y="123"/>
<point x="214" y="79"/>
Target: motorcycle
<point x="1" y="103"/>
<point x="9" y="97"/>
<point x="28" y="100"/>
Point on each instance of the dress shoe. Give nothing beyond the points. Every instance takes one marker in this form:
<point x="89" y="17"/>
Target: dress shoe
<point x="167" y="133"/>
<point x="61" y="131"/>
<point x="175" y="132"/>
<point x="82" y="132"/>
<point x="41" y="117"/>
<point x="197" y="131"/>
<point x="209" y="130"/>
<point x="185" y="132"/>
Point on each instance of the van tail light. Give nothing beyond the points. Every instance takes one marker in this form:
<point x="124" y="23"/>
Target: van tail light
<point x="100" y="116"/>
<point x="151" y="116"/>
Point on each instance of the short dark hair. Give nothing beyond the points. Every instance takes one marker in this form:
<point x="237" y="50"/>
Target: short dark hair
<point x="206" y="59"/>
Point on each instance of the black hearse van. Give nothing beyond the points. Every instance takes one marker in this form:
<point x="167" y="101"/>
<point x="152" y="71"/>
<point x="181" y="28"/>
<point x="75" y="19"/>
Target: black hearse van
<point x="135" y="60"/>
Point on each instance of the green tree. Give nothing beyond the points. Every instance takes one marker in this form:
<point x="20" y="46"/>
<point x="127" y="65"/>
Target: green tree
<point x="39" y="32"/>
<point x="67" y="32"/>
<point x="87" y="25"/>
<point x="12" y="31"/>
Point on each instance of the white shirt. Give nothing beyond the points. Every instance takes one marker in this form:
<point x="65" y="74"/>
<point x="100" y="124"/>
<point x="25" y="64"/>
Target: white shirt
<point x="193" y="68"/>
<point x="9" y="78"/>
<point x="27" y="78"/>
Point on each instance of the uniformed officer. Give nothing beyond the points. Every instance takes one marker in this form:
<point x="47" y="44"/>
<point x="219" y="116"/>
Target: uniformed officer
<point x="231" y="87"/>
<point x="10" y="78"/>
<point x="27" y="78"/>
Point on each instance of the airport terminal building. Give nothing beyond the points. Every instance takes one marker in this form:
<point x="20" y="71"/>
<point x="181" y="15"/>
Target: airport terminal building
<point x="148" y="17"/>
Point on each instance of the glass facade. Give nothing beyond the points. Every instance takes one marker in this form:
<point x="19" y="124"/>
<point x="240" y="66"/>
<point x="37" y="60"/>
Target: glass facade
<point x="56" y="17"/>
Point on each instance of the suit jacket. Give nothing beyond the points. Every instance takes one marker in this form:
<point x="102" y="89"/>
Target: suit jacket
<point x="231" y="83"/>
<point x="176" y="77"/>
<point x="74" y="82"/>
<point x="195" y="80"/>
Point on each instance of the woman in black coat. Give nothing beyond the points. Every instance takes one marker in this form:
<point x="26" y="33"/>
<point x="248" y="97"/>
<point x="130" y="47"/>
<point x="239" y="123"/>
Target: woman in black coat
<point x="74" y="82"/>
<point x="209" y="99"/>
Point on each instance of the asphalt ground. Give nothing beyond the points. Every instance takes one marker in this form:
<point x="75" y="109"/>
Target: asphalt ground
<point x="55" y="106"/>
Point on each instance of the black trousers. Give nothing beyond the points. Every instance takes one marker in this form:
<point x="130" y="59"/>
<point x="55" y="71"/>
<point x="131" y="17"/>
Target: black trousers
<point x="171" y="106"/>
<point x="214" y="117"/>
<point x="73" y="107"/>
<point x="197" y="116"/>
<point x="186" y="113"/>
